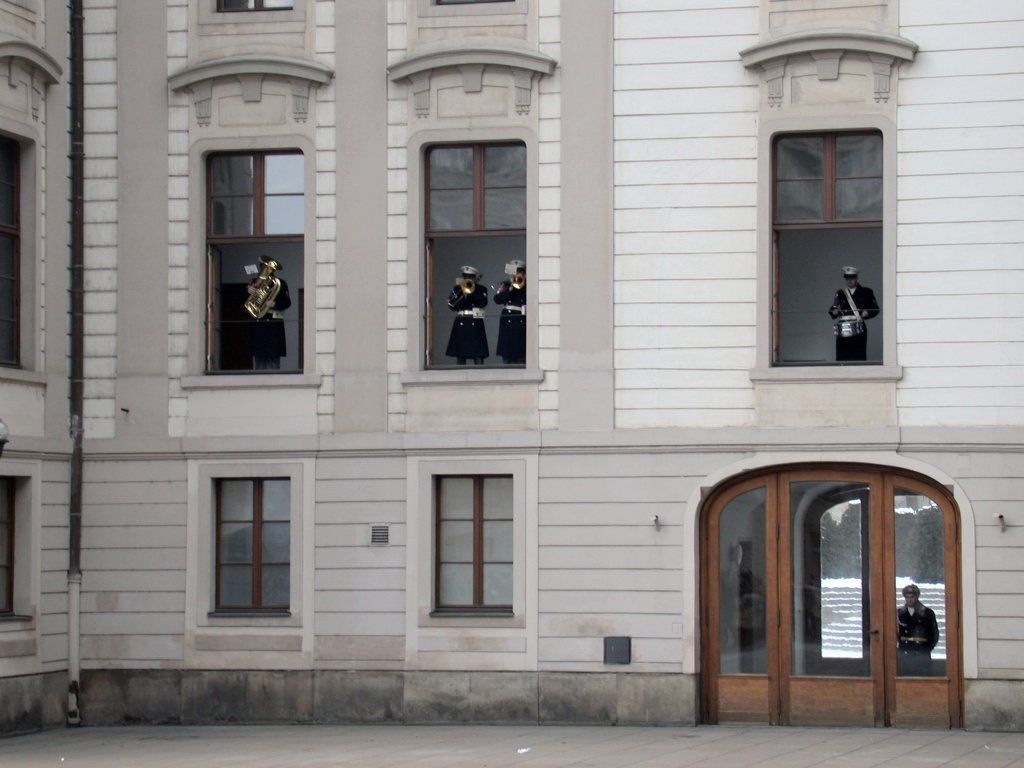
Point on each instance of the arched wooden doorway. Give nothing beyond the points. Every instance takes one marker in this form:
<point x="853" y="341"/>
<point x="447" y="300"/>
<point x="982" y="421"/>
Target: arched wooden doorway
<point x="802" y="570"/>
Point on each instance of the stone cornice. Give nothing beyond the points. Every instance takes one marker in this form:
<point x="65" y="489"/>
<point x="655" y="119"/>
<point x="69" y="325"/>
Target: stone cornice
<point x="810" y="42"/>
<point x="244" y="64"/>
<point x="462" y="55"/>
<point x="16" y="48"/>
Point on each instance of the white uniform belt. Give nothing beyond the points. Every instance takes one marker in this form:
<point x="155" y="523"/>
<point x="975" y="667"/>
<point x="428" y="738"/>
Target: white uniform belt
<point x="475" y="312"/>
<point x="516" y="308"/>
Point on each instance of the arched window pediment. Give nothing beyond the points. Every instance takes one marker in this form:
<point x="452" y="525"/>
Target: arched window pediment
<point x="250" y="69"/>
<point x="471" y="58"/>
<point x="40" y="67"/>
<point x="827" y="47"/>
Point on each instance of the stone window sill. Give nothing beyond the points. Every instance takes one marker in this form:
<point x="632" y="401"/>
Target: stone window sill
<point x="472" y="620"/>
<point x="22" y="376"/>
<point x="428" y="9"/>
<point x="15" y="618"/>
<point x="252" y="381"/>
<point x="827" y="373"/>
<point x="254" y="619"/>
<point x="470" y="376"/>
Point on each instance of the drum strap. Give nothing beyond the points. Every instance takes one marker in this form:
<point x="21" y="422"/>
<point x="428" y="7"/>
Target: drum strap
<point x="851" y="302"/>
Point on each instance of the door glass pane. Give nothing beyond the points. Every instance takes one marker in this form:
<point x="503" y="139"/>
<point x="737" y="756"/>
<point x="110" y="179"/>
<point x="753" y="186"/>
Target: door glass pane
<point x="920" y="563"/>
<point x="741" y="585"/>
<point x="831" y="577"/>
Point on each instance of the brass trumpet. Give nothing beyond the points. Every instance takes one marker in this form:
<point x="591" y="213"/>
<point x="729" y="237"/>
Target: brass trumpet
<point x="467" y="284"/>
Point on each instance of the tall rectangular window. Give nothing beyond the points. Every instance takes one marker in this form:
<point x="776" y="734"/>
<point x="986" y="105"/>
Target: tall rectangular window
<point x="475" y="213"/>
<point x="225" y="6"/>
<point x="255" y="226"/>
<point x="473" y="543"/>
<point x="10" y="279"/>
<point x="826" y="217"/>
<point x="6" y="545"/>
<point x="253" y="544"/>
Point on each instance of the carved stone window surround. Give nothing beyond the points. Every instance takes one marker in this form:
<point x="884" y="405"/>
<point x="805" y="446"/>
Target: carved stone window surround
<point x="40" y="68"/>
<point x="252" y="21"/>
<point x="827" y="47"/>
<point x="429" y="8"/>
<point x="471" y="59"/>
<point x="249" y="70"/>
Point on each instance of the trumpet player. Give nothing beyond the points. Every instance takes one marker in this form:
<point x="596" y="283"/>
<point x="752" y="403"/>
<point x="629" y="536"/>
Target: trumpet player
<point x="512" y="324"/>
<point x="467" y="299"/>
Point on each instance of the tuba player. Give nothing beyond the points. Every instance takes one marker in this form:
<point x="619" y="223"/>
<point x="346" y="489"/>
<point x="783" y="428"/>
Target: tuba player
<point x="467" y="299"/>
<point x="268" y="339"/>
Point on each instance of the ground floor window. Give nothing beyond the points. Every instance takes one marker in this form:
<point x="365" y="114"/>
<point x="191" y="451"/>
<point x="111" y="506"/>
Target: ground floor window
<point x="473" y="543"/>
<point x="253" y="543"/>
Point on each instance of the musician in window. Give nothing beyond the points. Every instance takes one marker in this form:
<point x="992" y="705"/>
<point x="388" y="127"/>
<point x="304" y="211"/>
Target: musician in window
<point x="512" y="324"/>
<point x="467" y="299"/>
<point x="267" y="339"/>
<point x="851" y="306"/>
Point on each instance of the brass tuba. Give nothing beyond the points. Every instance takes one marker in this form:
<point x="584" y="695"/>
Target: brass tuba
<point x="266" y="287"/>
<point x="467" y="284"/>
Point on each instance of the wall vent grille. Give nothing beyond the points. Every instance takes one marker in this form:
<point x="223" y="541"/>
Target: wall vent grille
<point x="379" y="535"/>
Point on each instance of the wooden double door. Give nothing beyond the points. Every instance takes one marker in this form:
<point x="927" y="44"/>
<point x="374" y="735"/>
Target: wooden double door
<point x="803" y="573"/>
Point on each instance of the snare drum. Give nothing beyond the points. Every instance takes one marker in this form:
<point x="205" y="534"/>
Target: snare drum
<point x="848" y="328"/>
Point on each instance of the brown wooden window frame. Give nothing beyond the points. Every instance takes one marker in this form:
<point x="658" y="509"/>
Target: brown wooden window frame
<point x="477" y="230"/>
<point x="7" y="489"/>
<point x="478" y="606"/>
<point x="14" y="232"/>
<point x="256" y="561"/>
<point x="259" y="6"/>
<point x="828" y="220"/>
<point x="469" y="2"/>
<point x="259" y="196"/>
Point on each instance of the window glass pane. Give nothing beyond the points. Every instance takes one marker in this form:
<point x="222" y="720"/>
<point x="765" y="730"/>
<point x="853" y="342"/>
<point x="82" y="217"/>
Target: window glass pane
<point x="451" y="209"/>
<point x="799" y="201"/>
<point x="7" y="204"/>
<point x="284" y="215"/>
<point x="451" y="168"/>
<point x="237" y="5"/>
<point x="456" y="583"/>
<point x="6" y="256"/>
<point x="457" y="541"/>
<point x="283" y="174"/>
<point x="277" y="4"/>
<point x="859" y="199"/>
<point x="6" y="340"/>
<point x="497" y="498"/>
<point x="236" y="500"/>
<point x="4" y="576"/>
<point x="275" y="543"/>
<point x="236" y="543"/>
<point x="505" y="166"/>
<point x="457" y="498"/>
<point x="800" y="157"/>
<point x="6" y="298"/>
<point x="498" y="542"/>
<point x="505" y="208"/>
<point x="236" y="586"/>
<point x="276" y="499"/>
<point x="497" y="585"/>
<point x="8" y="161"/>
<point x="231" y="216"/>
<point x="231" y="175"/>
<point x="5" y="543"/>
<point x="831" y="570"/>
<point x="858" y="156"/>
<point x="741" y="585"/>
<point x="4" y="500"/>
<point x="920" y="560"/>
<point x="275" y="586"/>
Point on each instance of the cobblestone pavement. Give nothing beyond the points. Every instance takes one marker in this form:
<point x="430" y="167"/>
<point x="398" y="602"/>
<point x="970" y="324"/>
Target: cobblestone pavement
<point x="495" y="746"/>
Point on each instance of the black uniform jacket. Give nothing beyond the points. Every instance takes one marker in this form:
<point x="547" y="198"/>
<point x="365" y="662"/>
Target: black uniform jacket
<point x="268" y="332"/>
<point x="917" y="632"/>
<point x="863" y="297"/>
<point x="512" y="325"/>
<point x="469" y="338"/>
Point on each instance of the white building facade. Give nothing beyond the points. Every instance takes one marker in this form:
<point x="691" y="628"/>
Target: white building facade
<point x="677" y="496"/>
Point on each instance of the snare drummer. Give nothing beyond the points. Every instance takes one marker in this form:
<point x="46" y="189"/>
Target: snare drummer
<point x="855" y="346"/>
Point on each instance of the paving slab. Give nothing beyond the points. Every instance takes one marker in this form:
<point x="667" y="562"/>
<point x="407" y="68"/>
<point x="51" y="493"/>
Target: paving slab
<point x="470" y="746"/>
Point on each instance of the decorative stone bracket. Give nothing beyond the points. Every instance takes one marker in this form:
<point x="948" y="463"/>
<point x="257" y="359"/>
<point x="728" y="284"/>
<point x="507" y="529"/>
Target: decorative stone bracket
<point x="250" y="70"/>
<point x="39" y="67"/>
<point x="827" y="48"/>
<point x="471" y="61"/>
